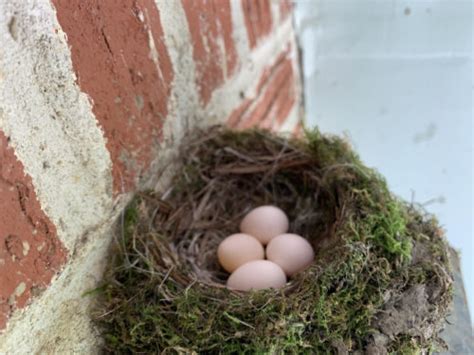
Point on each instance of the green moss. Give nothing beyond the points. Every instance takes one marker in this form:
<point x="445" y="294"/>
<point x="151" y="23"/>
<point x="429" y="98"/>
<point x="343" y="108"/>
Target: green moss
<point x="159" y="304"/>
<point x="130" y="219"/>
<point x="406" y="346"/>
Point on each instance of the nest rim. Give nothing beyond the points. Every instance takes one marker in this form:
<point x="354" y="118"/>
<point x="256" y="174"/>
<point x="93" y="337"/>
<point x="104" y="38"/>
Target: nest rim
<point x="189" y="262"/>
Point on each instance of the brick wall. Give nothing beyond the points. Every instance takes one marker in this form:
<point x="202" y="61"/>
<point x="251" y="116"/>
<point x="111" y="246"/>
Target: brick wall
<point x="94" y="97"/>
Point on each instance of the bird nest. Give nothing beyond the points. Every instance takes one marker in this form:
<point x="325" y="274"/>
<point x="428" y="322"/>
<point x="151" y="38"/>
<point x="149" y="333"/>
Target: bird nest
<point x="380" y="281"/>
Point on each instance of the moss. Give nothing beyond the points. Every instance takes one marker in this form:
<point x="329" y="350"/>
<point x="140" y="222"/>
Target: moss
<point x="406" y="346"/>
<point x="130" y="219"/>
<point x="165" y="290"/>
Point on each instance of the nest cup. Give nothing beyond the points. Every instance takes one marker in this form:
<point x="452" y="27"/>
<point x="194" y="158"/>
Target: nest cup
<point x="380" y="281"/>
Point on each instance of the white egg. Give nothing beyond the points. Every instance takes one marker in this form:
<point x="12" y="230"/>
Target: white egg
<point x="292" y="252"/>
<point x="238" y="249"/>
<point x="257" y="275"/>
<point x="265" y="223"/>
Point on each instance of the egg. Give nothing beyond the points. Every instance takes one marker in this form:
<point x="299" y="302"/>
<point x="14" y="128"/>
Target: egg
<point x="265" y="223"/>
<point x="238" y="249"/>
<point x="292" y="252"/>
<point x="257" y="275"/>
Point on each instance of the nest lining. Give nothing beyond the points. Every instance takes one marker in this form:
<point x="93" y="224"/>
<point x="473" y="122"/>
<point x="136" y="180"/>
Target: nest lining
<point x="380" y="281"/>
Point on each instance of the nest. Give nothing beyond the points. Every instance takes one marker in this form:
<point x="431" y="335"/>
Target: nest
<point x="380" y="281"/>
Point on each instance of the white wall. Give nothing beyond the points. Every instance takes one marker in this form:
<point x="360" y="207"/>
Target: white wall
<point x="396" y="77"/>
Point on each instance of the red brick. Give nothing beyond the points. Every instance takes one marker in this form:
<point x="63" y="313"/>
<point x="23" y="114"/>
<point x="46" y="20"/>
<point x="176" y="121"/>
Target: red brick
<point x="30" y="251"/>
<point x="258" y="19"/>
<point x="272" y="105"/>
<point x="269" y="71"/>
<point x="286" y="7"/>
<point x="286" y="95"/>
<point x="274" y="100"/>
<point x="236" y="115"/>
<point x="210" y="23"/>
<point x="115" y="66"/>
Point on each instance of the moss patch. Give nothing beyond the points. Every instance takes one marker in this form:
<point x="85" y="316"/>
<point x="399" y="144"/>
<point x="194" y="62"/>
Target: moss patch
<point x="380" y="282"/>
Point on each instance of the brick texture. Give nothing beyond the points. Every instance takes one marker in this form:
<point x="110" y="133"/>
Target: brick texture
<point x="30" y="252"/>
<point x="123" y="65"/>
<point x="214" y="53"/>
<point x="274" y="99"/>
<point x="258" y="19"/>
<point x="285" y="8"/>
<point x="145" y="73"/>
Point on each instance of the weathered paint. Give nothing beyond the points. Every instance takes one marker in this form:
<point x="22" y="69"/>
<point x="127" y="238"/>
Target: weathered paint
<point x="270" y="70"/>
<point x="236" y="115"/>
<point x="274" y="100"/>
<point x="258" y="19"/>
<point x="210" y="26"/>
<point x="286" y="7"/>
<point x="122" y="63"/>
<point x="30" y="251"/>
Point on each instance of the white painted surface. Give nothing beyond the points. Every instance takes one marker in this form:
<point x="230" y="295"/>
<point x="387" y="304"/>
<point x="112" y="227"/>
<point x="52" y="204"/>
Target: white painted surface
<point x="396" y="76"/>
